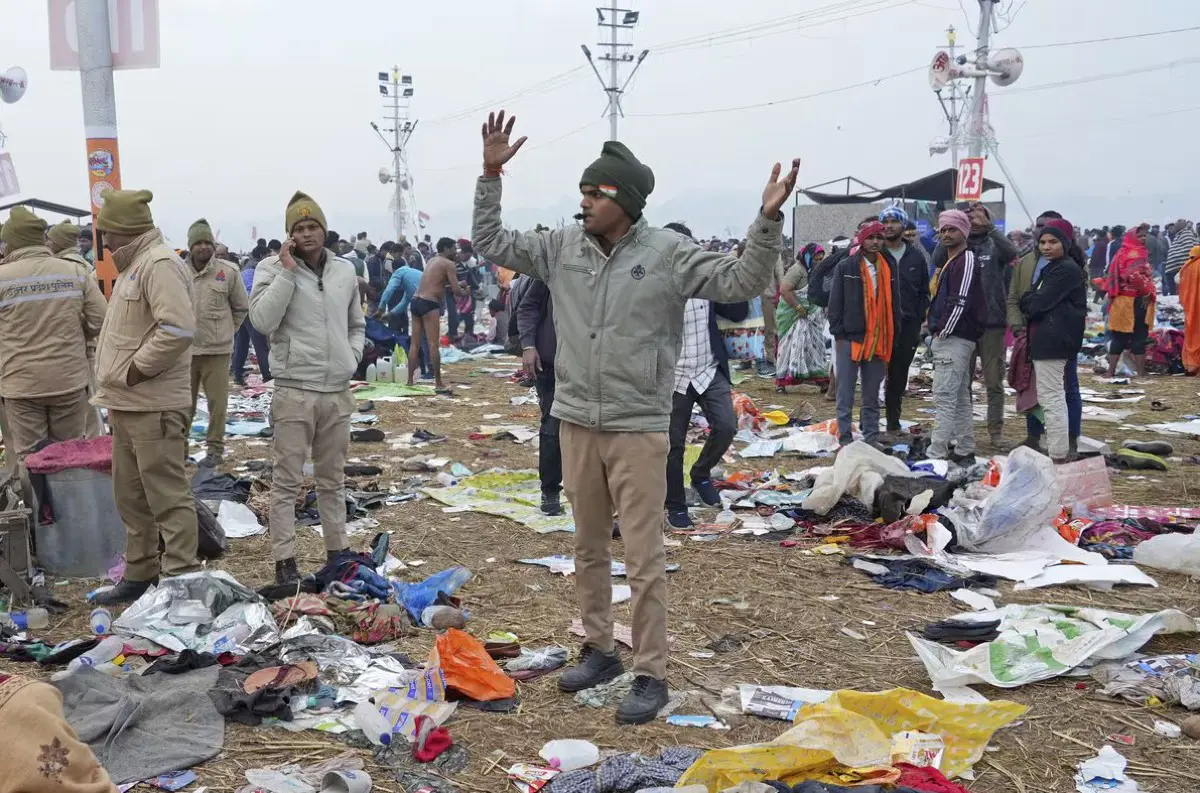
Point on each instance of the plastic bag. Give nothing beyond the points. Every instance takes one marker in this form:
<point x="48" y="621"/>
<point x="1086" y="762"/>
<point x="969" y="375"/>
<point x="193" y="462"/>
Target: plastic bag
<point x="211" y="542"/>
<point x="417" y="597"/>
<point x="1176" y="553"/>
<point x="468" y="669"/>
<point x="1026" y="500"/>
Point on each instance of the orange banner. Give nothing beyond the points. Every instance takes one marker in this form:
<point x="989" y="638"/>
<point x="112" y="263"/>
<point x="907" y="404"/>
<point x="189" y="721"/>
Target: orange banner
<point x="104" y="173"/>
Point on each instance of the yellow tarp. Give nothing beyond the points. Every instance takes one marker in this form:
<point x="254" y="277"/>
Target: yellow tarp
<point x="853" y="730"/>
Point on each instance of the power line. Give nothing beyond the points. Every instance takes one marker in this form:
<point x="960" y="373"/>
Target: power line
<point x="542" y="86"/>
<point x="1110" y="38"/>
<point x="789" y="100"/>
<point x="1113" y="122"/>
<point x="1099" y="77"/>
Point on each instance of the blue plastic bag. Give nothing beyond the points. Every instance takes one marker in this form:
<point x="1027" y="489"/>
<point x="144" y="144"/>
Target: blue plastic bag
<point x="418" y="596"/>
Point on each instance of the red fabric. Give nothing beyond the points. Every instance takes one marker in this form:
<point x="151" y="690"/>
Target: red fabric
<point x="91" y="453"/>
<point x="1129" y="273"/>
<point x="430" y="740"/>
<point x="1020" y="374"/>
<point x="927" y="780"/>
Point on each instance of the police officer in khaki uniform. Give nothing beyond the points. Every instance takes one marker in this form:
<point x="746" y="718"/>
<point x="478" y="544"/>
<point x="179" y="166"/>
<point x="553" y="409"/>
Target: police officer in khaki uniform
<point x="220" y="304"/>
<point x="50" y="311"/>
<point x="143" y="366"/>
<point x="63" y="241"/>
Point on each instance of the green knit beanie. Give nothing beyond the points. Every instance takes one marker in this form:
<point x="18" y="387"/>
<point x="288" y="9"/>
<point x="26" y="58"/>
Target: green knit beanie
<point x="622" y="177"/>
<point x="302" y="207"/>
<point x="64" y="235"/>
<point x="126" y="212"/>
<point x="23" y="230"/>
<point x="200" y="231"/>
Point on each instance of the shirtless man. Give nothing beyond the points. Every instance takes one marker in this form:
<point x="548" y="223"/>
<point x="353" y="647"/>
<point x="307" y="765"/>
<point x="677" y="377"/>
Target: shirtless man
<point x="426" y="308"/>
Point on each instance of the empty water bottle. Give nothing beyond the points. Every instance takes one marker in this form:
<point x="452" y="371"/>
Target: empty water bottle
<point x="35" y="618"/>
<point x="101" y="620"/>
<point x="102" y="653"/>
<point x="373" y="723"/>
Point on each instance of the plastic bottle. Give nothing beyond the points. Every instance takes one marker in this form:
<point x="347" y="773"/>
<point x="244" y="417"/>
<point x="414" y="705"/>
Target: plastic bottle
<point x="102" y="653"/>
<point x="101" y="620"/>
<point x="446" y="480"/>
<point x="373" y="724"/>
<point x="372" y="373"/>
<point x="383" y="369"/>
<point x="35" y="618"/>
<point x="570" y="755"/>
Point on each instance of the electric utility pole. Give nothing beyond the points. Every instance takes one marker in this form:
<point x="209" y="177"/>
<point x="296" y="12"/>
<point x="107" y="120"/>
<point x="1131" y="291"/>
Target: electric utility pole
<point x="979" y="123"/>
<point x="398" y="91"/>
<point x="615" y="19"/>
<point x="955" y="95"/>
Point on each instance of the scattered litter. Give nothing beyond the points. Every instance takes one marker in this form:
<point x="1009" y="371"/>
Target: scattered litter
<point x="1104" y="772"/>
<point x="1167" y="729"/>
<point x="569" y="755"/>
<point x="975" y="600"/>
<point x="707" y="722"/>
<point x="238" y="520"/>
<point x="622" y="634"/>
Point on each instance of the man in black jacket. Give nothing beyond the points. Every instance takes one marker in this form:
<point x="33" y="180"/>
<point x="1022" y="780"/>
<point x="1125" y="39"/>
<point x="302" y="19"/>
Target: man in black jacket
<point x="912" y="278"/>
<point x="994" y="256"/>
<point x="856" y="316"/>
<point x="535" y="325"/>
<point x="701" y="378"/>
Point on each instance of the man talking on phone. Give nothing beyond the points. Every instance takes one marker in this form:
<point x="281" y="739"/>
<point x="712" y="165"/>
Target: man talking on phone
<point x="306" y="301"/>
<point x="619" y="287"/>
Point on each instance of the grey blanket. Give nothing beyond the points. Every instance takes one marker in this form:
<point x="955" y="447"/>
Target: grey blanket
<point x="140" y="727"/>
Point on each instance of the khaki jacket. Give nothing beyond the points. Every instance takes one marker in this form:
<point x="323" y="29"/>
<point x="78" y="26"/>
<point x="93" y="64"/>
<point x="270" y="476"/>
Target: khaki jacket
<point x="316" y="325"/>
<point x="73" y="255"/>
<point x="150" y="325"/>
<point x="220" y="304"/>
<point x="619" y="318"/>
<point x="50" y="311"/>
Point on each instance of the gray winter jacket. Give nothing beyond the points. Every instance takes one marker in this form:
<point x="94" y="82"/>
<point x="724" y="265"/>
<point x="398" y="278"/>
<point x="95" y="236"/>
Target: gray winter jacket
<point x="619" y="318"/>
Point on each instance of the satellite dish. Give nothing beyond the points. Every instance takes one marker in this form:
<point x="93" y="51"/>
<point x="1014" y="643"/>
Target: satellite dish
<point x="13" y="84"/>
<point x="1007" y="65"/>
<point x="384" y="176"/>
<point x="941" y="70"/>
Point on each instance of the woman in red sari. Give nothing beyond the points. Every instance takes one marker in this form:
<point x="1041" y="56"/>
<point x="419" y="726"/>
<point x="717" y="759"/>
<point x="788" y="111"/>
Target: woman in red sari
<point x="1131" y="296"/>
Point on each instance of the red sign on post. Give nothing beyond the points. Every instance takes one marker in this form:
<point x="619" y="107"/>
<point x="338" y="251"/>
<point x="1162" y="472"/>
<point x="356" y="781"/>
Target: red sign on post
<point x="970" y="179"/>
<point x="133" y="32"/>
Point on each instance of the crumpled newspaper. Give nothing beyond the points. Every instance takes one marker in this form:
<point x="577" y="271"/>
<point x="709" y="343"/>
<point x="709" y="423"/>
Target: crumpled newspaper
<point x="206" y="611"/>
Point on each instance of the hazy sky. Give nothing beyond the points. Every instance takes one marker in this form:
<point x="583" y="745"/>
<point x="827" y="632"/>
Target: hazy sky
<point x="258" y="98"/>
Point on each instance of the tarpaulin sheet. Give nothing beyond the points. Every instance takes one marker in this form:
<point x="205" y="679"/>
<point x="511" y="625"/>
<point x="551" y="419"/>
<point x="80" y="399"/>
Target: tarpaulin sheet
<point x="516" y="495"/>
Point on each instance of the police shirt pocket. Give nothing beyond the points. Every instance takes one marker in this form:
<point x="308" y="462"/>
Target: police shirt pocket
<point x="114" y="358"/>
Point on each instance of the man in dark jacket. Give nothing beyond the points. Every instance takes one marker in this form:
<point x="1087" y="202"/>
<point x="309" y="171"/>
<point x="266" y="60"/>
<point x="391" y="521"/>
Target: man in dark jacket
<point x="864" y="313"/>
<point x="912" y="277"/>
<point x="957" y="319"/>
<point x="701" y="378"/>
<point x="535" y="325"/>
<point x="994" y="256"/>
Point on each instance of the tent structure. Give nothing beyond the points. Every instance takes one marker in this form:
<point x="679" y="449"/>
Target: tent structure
<point x="936" y="187"/>
<point x="37" y="204"/>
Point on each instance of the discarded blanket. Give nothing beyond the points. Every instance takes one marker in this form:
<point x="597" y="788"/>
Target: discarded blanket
<point x="921" y="575"/>
<point x="140" y="727"/>
<point x="92" y="453"/>
<point x="627" y="773"/>
<point x="897" y="492"/>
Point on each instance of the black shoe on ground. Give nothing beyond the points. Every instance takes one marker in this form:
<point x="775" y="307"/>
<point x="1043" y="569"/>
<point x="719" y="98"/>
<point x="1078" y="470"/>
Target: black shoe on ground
<point x="125" y="592"/>
<point x="594" y="668"/>
<point x="286" y="572"/>
<point x="962" y="459"/>
<point x="678" y="519"/>
<point x="1157" y="448"/>
<point x="642" y="704"/>
<point x="551" y="504"/>
<point x="707" y="492"/>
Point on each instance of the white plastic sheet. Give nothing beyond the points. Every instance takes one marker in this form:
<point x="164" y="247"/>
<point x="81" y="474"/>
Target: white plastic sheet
<point x="858" y="470"/>
<point x="238" y="520"/>
<point x="1026" y="500"/>
<point x="1177" y="553"/>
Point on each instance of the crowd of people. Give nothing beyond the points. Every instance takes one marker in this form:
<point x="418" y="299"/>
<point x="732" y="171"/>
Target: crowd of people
<point x="619" y="327"/>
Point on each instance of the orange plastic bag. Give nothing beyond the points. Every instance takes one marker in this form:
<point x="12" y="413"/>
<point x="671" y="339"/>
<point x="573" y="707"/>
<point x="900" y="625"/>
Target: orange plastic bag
<point x="468" y="669"/>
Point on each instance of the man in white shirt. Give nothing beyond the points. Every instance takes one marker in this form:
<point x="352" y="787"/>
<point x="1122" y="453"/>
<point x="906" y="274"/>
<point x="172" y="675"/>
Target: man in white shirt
<point x="701" y="377"/>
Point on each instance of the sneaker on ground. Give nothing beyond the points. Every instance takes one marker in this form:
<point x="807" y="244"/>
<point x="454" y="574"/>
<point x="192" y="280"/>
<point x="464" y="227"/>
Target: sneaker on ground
<point x="551" y="504"/>
<point x="643" y="702"/>
<point x="679" y="519"/>
<point x="1157" y="448"/>
<point x="594" y="668"/>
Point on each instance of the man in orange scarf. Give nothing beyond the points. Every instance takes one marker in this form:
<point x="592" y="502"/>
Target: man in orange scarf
<point x="1189" y="298"/>
<point x="862" y="319"/>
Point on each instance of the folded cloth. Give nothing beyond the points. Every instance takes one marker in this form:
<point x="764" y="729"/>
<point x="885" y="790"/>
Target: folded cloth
<point x="922" y="576"/>
<point x="430" y="740"/>
<point x="962" y="631"/>
<point x="186" y="661"/>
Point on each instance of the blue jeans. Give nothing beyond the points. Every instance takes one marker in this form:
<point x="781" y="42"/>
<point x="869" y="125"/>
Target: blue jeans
<point x="1034" y="428"/>
<point x="246" y="336"/>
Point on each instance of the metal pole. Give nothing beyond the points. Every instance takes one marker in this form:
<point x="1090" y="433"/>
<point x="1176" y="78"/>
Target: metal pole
<point x="979" y="100"/>
<point x="398" y="194"/>
<point x="99" y="117"/>
<point x="613" y="95"/>
<point x="953" y="40"/>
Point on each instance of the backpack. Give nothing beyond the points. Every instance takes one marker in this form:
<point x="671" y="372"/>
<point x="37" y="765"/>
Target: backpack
<point x="820" y="281"/>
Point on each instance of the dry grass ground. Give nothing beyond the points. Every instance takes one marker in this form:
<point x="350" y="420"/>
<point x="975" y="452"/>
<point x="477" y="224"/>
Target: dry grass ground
<point x="796" y="636"/>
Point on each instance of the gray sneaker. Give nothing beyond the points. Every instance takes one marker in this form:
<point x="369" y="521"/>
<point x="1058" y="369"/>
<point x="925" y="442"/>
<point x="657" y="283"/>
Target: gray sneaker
<point x="642" y="704"/>
<point x="594" y="668"/>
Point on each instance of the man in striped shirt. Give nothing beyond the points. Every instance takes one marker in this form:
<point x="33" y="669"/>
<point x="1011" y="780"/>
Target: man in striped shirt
<point x="957" y="319"/>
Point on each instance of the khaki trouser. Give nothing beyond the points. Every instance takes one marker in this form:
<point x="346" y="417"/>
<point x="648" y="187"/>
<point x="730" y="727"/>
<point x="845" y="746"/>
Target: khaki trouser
<point x="991" y="352"/>
<point x="94" y="426"/>
<point x="770" y="336"/>
<point x="152" y="492"/>
<point x="1052" y="396"/>
<point x="56" y="418"/>
<point x="625" y="471"/>
<point x="304" y="420"/>
<point x="212" y="371"/>
<point x="10" y="447"/>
